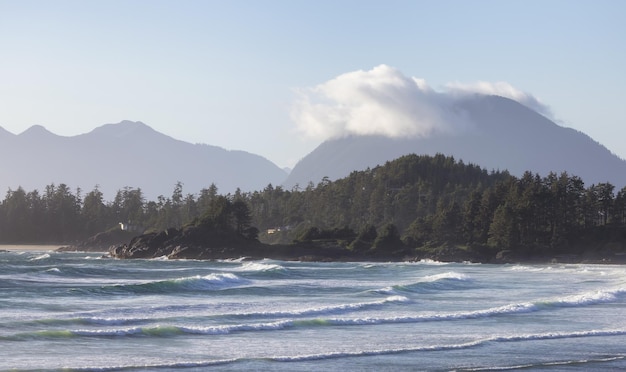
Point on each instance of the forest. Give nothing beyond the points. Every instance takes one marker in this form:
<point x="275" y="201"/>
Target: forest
<point x="411" y="202"/>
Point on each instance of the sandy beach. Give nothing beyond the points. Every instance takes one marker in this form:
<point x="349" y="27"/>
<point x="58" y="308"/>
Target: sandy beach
<point x="28" y="248"/>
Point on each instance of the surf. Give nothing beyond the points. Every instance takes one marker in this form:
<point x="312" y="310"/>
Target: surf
<point x="210" y="282"/>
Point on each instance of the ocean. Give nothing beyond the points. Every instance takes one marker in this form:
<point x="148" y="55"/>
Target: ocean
<point x="85" y="312"/>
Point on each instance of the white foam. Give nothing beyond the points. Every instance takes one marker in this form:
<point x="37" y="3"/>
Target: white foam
<point x="500" y="310"/>
<point x="210" y="281"/>
<point x="558" y="335"/>
<point x="108" y="332"/>
<point x="40" y="257"/>
<point x="226" y="329"/>
<point x="110" y="321"/>
<point x="259" y="267"/>
<point x="443" y="276"/>
<point x="346" y="354"/>
<point x="428" y="261"/>
<point x="387" y="290"/>
<point x="328" y="309"/>
<point x="465" y="345"/>
<point x="240" y="259"/>
<point x="588" y="298"/>
<point x="174" y="365"/>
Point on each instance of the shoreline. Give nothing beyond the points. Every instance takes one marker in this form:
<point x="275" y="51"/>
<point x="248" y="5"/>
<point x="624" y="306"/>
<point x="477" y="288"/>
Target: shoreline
<point x="315" y="256"/>
<point x="28" y="247"/>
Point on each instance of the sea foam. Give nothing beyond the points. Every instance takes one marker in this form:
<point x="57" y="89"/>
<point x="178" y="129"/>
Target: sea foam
<point x="209" y="282"/>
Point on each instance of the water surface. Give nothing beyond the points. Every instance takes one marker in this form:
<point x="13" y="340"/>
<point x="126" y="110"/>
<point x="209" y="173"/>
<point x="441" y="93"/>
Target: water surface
<point x="79" y="311"/>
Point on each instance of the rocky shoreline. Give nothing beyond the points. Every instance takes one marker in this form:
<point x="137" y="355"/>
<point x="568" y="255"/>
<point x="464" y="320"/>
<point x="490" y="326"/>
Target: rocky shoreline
<point x="179" y="244"/>
<point x="201" y="244"/>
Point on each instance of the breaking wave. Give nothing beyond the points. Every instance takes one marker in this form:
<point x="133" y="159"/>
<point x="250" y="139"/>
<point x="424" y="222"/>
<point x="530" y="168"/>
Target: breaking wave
<point x="583" y="299"/>
<point x="510" y="309"/>
<point x="332" y="309"/>
<point x="40" y="257"/>
<point x="465" y="345"/>
<point x="209" y="282"/>
<point x="444" y="281"/>
<point x="260" y="267"/>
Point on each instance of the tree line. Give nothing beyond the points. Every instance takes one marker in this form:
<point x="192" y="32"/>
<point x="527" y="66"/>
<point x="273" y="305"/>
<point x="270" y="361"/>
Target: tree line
<point x="62" y="215"/>
<point x="414" y="201"/>
<point x="424" y="201"/>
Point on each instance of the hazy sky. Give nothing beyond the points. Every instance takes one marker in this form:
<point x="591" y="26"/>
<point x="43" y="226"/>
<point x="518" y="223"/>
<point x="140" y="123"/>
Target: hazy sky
<point x="242" y="74"/>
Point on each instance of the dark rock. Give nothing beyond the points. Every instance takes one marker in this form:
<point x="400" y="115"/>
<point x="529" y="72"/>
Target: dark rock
<point x="101" y="242"/>
<point x="191" y="242"/>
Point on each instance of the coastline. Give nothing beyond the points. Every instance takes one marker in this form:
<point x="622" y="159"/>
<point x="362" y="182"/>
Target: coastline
<point x="314" y="256"/>
<point x="28" y="247"/>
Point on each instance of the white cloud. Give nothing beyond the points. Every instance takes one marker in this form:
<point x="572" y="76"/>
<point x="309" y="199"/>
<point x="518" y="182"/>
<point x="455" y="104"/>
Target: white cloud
<point x="502" y="89"/>
<point x="383" y="101"/>
<point x="380" y="101"/>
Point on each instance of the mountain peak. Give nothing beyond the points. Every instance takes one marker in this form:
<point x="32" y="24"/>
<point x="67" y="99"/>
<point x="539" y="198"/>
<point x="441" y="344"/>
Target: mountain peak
<point x="128" y="154"/>
<point x="36" y="131"/>
<point x="123" y="129"/>
<point x="504" y="135"/>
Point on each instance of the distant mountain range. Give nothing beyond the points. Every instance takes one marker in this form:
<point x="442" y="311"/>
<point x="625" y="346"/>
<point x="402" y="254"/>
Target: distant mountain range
<point x="131" y="154"/>
<point x="504" y="135"/>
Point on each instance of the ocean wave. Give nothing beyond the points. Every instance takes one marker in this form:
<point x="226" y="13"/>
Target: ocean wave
<point x="182" y="364"/>
<point x="240" y="259"/>
<point x="108" y="321"/>
<point x="150" y="331"/>
<point x="422" y="262"/>
<point x="586" y="298"/>
<point x="209" y="282"/>
<point x="582" y="269"/>
<point x="98" y="257"/>
<point x="583" y="299"/>
<point x="428" y="261"/>
<point x="464" y="345"/>
<point x="84" y="321"/>
<point x="165" y="365"/>
<point x="580" y="363"/>
<point x="331" y="309"/>
<point x="529" y="268"/>
<point x="444" y="281"/>
<point x="142" y="318"/>
<point x="360" y="353"/>
<point x="429" y="317"/>
<point x="260" y="267"/>
<point x="165" y="331"/>
<point x="294" y="316"/>
<point x="40" y="257"/>
<point x="559" y="335"/>
<point x="450" y="275"/>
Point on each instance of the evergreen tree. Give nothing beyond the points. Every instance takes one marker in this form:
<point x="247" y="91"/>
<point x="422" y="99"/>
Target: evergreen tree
<point x="502" y="230"/>
<point x="388" y="239"/>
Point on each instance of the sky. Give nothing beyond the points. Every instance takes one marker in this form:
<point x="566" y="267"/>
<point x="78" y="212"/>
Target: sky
<point x="276" y="78"/>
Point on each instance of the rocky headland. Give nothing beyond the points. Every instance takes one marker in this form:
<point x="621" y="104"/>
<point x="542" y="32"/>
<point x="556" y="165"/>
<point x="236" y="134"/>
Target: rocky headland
<point x="193" y="242"/>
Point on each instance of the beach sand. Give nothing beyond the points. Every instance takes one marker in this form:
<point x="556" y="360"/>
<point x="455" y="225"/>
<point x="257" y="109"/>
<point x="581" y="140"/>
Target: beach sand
<point x="28" y="248"/>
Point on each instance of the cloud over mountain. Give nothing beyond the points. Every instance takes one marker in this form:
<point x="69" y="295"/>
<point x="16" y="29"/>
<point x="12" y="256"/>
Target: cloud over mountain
<point x="502" y="89"/>
<point x="383" y="101"/>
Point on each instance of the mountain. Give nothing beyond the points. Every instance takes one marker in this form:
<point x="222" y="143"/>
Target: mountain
<point x="504" y="135"/>
<point x="131" y="154"/>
